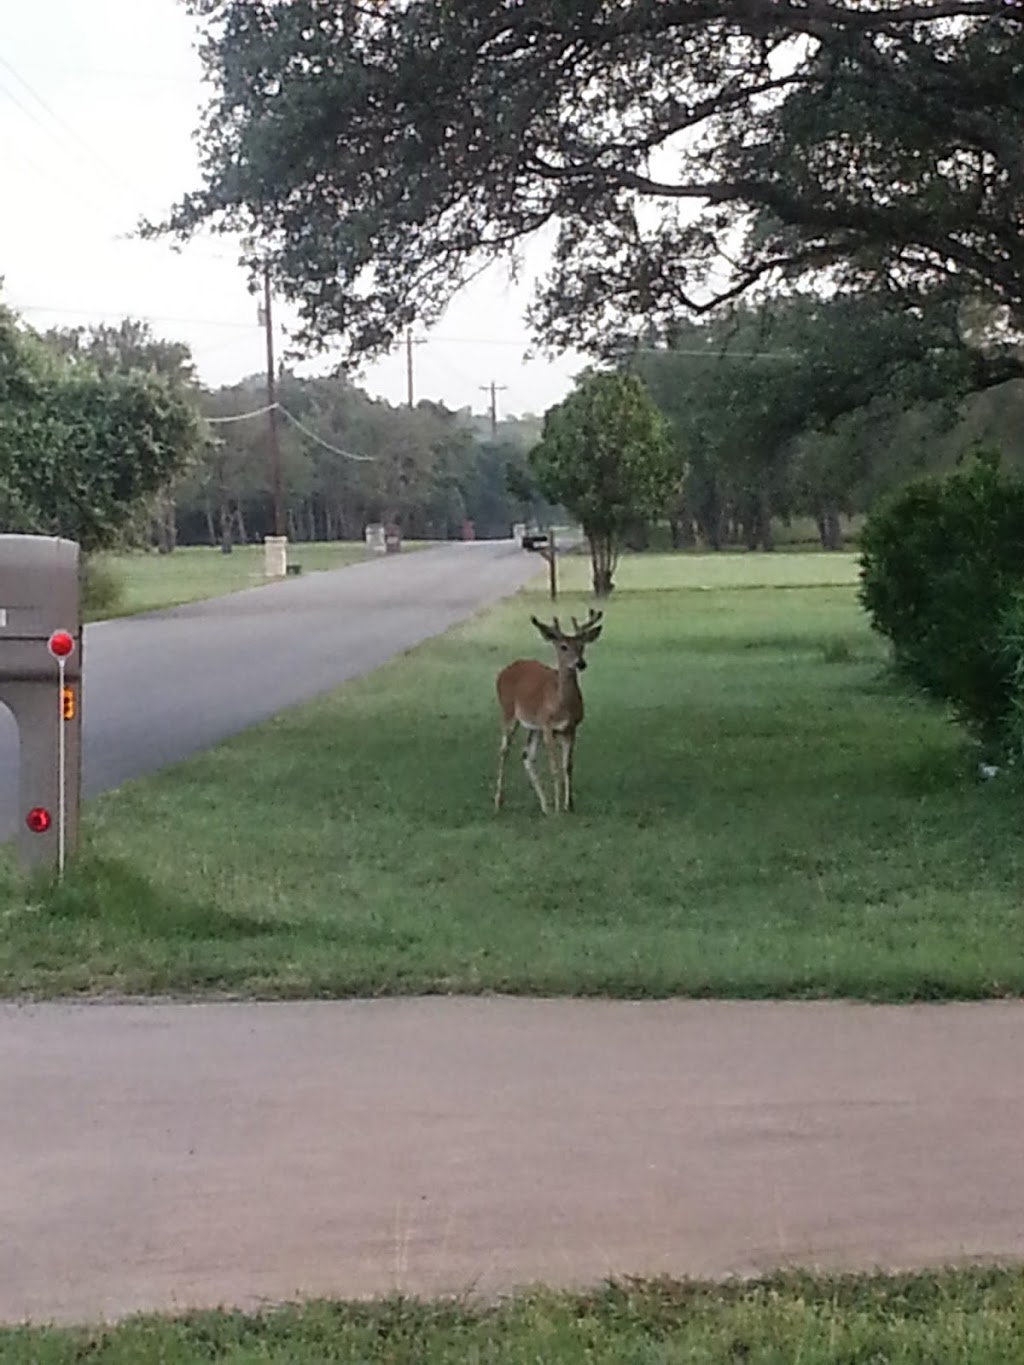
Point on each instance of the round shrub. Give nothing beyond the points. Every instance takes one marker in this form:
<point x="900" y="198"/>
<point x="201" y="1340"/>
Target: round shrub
<point x="1011" y="639"/>
<point x="942" y="563"/>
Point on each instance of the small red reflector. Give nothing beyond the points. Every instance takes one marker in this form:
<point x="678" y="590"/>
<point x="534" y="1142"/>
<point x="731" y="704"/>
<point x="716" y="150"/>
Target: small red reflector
<point x="61" y="644"/>
<point x="38" y="820"/>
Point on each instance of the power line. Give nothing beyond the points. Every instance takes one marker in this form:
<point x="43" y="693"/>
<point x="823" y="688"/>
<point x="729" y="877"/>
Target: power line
<point x="62" y="123"/>
<point x="242" y="416"/>
<point x="118" y="74"/>
<point x="335" y="450"/>
<point x="114" y="313"/>
<point x="136" y="191"/>
<point x="222" y="322"/>
<point x="279" y="407"/>
<point x="728" y="353"/>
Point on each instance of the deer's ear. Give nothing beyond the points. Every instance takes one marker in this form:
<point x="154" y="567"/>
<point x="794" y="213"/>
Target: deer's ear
<point x="594" y="634"/>
<point x="546" y="631"/>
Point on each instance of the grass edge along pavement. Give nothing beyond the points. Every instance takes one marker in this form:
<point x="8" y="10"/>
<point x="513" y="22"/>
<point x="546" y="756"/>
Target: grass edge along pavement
<point x="946" y="1317"/>
<point x="760" y="815"/>
<point x="144" y="581"/>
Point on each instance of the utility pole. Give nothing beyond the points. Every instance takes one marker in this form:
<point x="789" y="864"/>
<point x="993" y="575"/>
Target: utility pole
<point x="275" y="447"/>
<point x="494" y="389"/>
<point x="410" y="342"/>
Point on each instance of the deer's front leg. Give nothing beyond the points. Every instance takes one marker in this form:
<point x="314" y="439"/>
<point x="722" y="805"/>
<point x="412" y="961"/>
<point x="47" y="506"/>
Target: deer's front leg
<point x="567" y="743"/>
<point x="529" y="754"/>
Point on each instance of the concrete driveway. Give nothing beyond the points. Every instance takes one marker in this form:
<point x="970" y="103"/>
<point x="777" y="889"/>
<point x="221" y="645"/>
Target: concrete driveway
<point x="165" y="1156"/>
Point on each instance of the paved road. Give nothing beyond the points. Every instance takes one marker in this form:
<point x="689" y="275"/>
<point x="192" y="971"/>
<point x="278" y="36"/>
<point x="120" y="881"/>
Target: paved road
<point x="163" y="686"/>
<point x="155" y="1157"/>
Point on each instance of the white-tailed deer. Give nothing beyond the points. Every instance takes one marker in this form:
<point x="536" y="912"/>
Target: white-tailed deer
<point x="548" y="703"/>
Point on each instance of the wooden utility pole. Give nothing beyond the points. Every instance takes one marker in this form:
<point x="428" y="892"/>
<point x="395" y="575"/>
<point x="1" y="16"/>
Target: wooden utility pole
<point x="275" y="446"/>
<point x="410" y="342"/>
<point x="552" y="558"/>
<point x="494" y="389"/>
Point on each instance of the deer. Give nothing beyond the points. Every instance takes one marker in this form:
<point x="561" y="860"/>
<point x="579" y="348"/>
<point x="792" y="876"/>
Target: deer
<point x="548" y="704"/>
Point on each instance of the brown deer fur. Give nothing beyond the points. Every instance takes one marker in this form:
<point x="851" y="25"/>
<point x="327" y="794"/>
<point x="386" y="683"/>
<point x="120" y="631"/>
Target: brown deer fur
<point x="548" y="703"/>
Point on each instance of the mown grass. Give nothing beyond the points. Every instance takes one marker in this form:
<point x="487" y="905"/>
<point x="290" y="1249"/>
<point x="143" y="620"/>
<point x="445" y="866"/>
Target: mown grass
<point x="759" y="814"/>
<point x="953" y="1318"/>
<point x="150" y="582"/>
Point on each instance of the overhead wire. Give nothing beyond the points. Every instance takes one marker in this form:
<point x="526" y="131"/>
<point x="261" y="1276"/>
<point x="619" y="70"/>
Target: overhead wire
<point x="335" y="450"/>
<point x="114" y="313"/>
<point x="127" y="187"/>
<point x="243" y="416"/>
<point x="115" y="172"/>
<point x="306" y="431"/>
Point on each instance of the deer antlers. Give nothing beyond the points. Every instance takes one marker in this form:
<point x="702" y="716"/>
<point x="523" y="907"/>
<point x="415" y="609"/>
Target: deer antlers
<point x="591" y="627"/>
<point x="585" y="634"/>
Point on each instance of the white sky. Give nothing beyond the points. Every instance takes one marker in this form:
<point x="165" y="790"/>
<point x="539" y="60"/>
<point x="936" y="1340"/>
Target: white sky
<point x="98" y="103"/>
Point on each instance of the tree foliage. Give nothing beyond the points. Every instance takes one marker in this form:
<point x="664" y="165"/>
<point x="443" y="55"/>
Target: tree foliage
<point x="130" y="345"/>
<point x="943" y="572"/>
<point x="81" y="451"/>
<point x="683" y="150"/>
<point x="604" y="456"/>
<point x="782" y="409"/>
<point x="349" y="459"/>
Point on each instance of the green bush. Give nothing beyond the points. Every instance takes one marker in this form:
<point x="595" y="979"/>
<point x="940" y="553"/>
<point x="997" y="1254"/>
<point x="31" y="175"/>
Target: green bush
<point x="1011" y="638"/>
<point x="942" y="564"/>
<point x="102" y="588"/>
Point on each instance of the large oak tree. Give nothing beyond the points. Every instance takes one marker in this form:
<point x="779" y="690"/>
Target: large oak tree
<point x="377" y="154"/>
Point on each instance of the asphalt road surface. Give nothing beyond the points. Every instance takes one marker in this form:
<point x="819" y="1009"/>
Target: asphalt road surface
<point x="166" y="1156"/>
<point x="160" y="687"/>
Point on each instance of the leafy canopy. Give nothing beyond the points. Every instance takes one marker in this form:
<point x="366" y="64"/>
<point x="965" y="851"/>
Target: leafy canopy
<point x="743" y="390"/>
<point x="942" y="571"/>
<point x="604" y="456"/>
<point x="80" y="451"/>
<point x="376" y="155"/>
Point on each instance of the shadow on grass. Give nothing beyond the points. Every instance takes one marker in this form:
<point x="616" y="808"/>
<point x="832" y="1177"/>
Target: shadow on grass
<point x="109" y="891"/>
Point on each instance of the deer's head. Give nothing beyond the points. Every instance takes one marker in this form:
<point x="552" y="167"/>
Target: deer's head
<point x="569" y="648"/>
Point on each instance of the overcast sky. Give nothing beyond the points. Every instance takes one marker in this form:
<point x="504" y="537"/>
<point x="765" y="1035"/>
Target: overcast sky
<point x="98" y="103"/>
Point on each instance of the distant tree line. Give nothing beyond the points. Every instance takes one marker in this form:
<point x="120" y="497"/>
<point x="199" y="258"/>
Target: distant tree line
<point x="348" y="460"/>
<point x="107" y="435"/>
<point x="811" y="407"/>
<point x="801" y="407"/>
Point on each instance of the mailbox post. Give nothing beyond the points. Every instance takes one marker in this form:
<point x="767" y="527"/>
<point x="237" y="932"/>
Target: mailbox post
<point x="544" y="545"/>
<point x="40" y="681"/>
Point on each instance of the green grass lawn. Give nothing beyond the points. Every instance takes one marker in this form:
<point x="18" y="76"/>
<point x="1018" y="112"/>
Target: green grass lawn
<point x="759" y="814"/>
<point x="963" y="1318"/>
<point x="192" y="572"/>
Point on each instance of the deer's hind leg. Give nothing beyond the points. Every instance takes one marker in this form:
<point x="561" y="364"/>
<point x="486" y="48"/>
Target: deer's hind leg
<point x="508" y="731"/>
<point x="529" y="755"/>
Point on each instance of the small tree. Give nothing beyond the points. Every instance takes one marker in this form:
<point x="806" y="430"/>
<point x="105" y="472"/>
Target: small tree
<point x="81" y="452"/>
<point x="605" y="457"/>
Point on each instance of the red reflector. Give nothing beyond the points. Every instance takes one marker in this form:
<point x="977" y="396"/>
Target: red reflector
<point x="61" y="644"/>
<point x="38" y="820"/>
